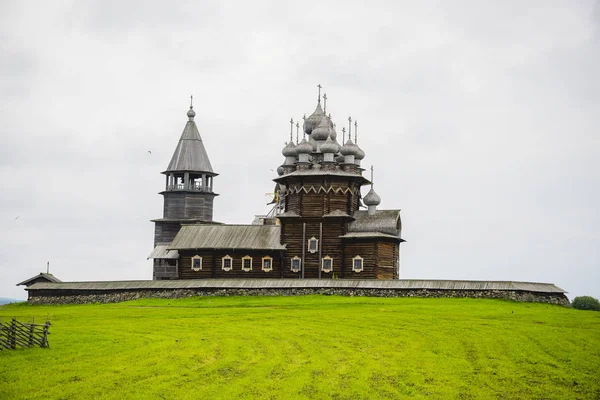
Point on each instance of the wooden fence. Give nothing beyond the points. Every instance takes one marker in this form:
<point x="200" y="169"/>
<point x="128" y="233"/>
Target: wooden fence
<point x="15" y="334"/>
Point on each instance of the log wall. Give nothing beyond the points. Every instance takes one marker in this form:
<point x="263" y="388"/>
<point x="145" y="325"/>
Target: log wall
<point x="212" y="264"/>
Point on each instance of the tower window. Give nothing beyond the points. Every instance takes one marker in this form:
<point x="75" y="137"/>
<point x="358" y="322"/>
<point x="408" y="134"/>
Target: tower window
<point x="246" y="263"/>
<point x="196" y="263"/>
<point x="327" y="264"/>
<point x="357" y="264"/>
<point x="296" y="264"/>
<point x="227" y="263"/>
<point x="313" y="245"/>
<point x="267" y="264"/>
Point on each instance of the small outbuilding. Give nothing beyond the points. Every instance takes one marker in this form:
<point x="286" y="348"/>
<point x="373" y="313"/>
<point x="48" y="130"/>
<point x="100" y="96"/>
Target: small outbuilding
<point x="42" y="277"/>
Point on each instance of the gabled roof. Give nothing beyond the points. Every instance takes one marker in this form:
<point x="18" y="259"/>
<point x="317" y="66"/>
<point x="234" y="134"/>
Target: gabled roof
<point x="383" y="221"/>
<point x="42" y="277"/>
<point x="249" y="237"/>
<point x="391" y="284"/>
<point x="161" y="251"/>
<point x="190" y="154"/>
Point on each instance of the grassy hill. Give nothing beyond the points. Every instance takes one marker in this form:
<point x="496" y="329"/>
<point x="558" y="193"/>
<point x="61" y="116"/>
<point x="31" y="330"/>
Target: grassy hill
<point x="307" y="347"/>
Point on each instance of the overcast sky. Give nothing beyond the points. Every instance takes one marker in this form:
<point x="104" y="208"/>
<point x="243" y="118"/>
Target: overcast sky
<point x="481" y="120"/>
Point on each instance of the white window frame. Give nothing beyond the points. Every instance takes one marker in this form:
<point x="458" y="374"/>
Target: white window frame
<point x="316" y="241"/>
<point x="197" y="257"/>
<point x="323" y="264"/>
<point x="227" y="257"/>
<point x="270" y="263"/>
<point x="243" y="262"/>
<point x="294" y="269"/>
<point x="362" y="262"/>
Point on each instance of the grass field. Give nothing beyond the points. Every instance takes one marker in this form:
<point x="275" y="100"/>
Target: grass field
<point x="307" y="347"/>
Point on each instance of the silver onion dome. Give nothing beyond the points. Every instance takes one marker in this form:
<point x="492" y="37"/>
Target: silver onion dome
<point x="304" y="147"/>
<point x="313" y="121"/>
<point x="372" y="198"/>
<point x="349" y="148"/>
<point x="289" y="150"/>
<point x="280" y="170"/>
<point x="330" y="146"/>
<point x="359" y="153"/>
<point x="191" y="113"/>
<point x="321" y="132"/>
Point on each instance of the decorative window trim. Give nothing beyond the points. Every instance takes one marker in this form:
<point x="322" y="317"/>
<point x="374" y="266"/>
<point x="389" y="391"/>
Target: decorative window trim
<point x="298" y="267"/>
<point x="223" y="267"/>
<point x="244" y="268"/>
<point x="325" y="269"/>
<point x="199" y="268"/>
<point x="354" y="268"/>
<point x="270" y="267"/>
<point x="315" y="248"/>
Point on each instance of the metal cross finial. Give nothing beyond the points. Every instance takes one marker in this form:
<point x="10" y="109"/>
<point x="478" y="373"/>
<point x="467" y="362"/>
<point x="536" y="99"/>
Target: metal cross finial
<point x="324" y="102"/>
<point x="356" y="132"/>
<point x="319" y="86"/>
<point x="192" y="101"/>
<point x="291" y="129"/>
<point x="371" y="177"/>
<point x="343" y="135"/>
<point x="297" y="129"/>
<point x="349" y="128"/>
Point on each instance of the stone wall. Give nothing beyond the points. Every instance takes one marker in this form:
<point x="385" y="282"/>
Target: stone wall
<point x="83" y="297"/>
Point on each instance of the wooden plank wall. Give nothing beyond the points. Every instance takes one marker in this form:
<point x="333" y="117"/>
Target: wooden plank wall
<point x="164" y="232"/>
<point x="188" y="205"/>
<point x="368" y="251"/>
<point x="211" y="264"/>
<point x="331" y="245"/>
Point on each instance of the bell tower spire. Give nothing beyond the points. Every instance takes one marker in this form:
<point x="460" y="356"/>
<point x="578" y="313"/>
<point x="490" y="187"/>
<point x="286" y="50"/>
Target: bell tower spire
<point x="188" y="195"/>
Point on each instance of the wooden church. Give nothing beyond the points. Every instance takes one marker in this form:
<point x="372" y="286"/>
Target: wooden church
<point x="320" y="226"/>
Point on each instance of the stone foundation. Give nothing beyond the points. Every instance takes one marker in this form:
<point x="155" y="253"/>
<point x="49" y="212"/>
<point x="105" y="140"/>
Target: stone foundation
<point x="115" y="296"/>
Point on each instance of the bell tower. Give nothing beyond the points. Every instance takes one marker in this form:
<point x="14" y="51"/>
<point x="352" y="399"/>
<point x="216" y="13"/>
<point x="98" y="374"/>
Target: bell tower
<point x="188" y="196"/>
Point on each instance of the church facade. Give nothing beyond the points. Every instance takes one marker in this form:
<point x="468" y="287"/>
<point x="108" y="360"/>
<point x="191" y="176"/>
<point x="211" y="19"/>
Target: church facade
<point x="320" y="226"/>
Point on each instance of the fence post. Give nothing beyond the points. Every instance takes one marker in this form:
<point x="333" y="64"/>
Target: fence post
<point x="45" y="338"/>
<point x="13" y="334"/>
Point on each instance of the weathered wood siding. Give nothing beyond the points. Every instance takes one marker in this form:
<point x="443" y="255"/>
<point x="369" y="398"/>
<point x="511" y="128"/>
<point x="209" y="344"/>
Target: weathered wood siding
<point x="330" y="244"/>
<point x="368" y="251"/>
<point x="212" y="265"/>
<point x="188" y="205"/>
<point x="164" y="232"/>
<point x="387" y="259"/>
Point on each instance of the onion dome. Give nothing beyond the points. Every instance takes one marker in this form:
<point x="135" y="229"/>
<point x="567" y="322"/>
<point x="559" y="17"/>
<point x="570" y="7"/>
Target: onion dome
<point x="349" y="149"/>
<point x="191" y="113"/>
<point x="313" y="143"/>
<point x="314" y="120"/>
<point x="330" y="146"/>
<point x="280" y="170"/>
<point x="289" y="150"/>
<point x="372" y="198"/>
<point x="321" y="132"/>
<point x="359" y="153"/>
<point x="304" y="147"/>
<point x="339" y="158"/>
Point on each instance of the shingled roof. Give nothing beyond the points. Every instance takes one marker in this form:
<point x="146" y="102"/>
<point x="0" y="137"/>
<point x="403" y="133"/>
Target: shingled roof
<point x="249" y="237"/>
<point x="383" y="221"/>
<point x="190" y="154"/>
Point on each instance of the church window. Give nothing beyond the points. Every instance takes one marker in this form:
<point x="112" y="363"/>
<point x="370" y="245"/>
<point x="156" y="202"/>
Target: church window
<point x="313" y="245"/>
<point x="357" y="264"/>
<point x="196" y="263"/>
<point x="267" y="264"/>
<point x="227" y="263"/>
<point x="246" y="263"/>
<point x="327" y="264"/>
<point x="296" y="264"/>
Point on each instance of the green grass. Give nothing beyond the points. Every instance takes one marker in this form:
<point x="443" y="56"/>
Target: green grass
<point x="307" y="347"/>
